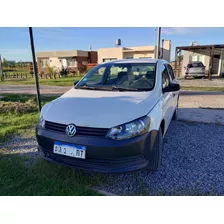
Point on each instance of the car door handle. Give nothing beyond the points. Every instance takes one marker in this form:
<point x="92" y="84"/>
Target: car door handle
<point x="174" y="94"/>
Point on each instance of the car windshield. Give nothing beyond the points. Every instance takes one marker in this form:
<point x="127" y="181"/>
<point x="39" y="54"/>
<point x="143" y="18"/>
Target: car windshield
<point x="120" y="77"/>
<point x="195" y="65"/>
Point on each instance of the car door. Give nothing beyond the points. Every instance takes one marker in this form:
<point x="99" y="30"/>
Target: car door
<point x="175" y="95"/>
<point x="167" y="97"/>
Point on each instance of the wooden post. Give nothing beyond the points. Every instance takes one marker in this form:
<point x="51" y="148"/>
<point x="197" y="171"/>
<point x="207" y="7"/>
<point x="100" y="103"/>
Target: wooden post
<point x="210" y="63"/>
<point x="179" y="68"/>
<point x="176" y="62"/>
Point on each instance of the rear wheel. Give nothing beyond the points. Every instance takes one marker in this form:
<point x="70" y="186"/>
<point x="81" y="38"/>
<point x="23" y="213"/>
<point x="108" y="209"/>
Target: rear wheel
<point x="156" y="156"/>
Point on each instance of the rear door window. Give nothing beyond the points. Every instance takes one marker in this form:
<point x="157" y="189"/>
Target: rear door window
<point x="171" y="73"/>
<point x="165" y="77"/>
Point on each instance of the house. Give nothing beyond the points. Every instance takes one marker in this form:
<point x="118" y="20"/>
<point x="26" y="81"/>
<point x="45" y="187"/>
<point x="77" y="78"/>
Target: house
<point x="108" y="54"/>
<point x="73" y="60"/>
<point x="212" y="56"/>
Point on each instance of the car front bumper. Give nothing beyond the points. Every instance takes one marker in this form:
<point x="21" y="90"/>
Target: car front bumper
<point x="102" y="154"/>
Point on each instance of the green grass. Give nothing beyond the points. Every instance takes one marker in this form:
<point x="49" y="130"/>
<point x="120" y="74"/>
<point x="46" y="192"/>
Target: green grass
<point x="11" y="97"/>
<point x="211" y="108"/>
<point x="13" y="123"/>
<point x="66" y="81"/>
<point x="221" y="89"/>
<point x="22" y="177"/>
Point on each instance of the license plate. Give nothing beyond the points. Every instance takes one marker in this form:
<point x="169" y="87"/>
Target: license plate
<point x="76" y="151"/>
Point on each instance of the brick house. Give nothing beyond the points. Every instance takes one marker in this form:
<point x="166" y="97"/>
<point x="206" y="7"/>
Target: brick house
<point x="73" y="60"/>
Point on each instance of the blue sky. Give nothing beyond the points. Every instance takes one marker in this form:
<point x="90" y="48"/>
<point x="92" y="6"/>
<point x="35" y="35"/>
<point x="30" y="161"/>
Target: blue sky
<point x="15" y="45"/>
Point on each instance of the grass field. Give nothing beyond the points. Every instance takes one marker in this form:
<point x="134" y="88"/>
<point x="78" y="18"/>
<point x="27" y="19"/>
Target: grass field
<point x="68" y="81"/>
<point x="15" y="123"/>
<point x="65" y="81"/>
<point x="21" y="175"/>
<point x="221" y="89"/>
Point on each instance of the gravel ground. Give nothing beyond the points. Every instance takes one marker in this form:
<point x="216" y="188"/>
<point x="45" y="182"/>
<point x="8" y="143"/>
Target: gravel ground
<point x="25" y="146"/>
<point x="192" y="164"/>
<point x="215" y="82"/>
<point x="201" y="99"/>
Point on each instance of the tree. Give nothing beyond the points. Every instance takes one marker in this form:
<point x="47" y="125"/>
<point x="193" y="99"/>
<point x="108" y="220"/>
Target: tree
<point x="52" y="71"/>
<point x="4" y="63"/>
<point x="180" y="58"/>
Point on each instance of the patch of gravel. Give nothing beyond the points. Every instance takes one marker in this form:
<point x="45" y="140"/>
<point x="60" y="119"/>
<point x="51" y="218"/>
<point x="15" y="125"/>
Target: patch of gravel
<point x="191" y="99"/>
<point x="192" y="165"/>
<point x="25" y="146"/>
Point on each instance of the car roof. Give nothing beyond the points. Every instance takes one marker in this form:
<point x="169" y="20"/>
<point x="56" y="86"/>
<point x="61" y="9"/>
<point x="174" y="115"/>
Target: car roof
<point x="137" y="60"/>
<point x="195" y="62"/>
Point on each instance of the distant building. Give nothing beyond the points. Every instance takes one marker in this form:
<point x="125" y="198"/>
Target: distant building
<point x="74" y="60"/>
<point x="108" y="54"/>
<point x="212" y="56"/>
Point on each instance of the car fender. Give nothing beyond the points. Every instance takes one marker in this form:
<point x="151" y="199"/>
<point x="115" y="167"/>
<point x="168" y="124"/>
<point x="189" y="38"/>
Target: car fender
<point x="156" y="116"/>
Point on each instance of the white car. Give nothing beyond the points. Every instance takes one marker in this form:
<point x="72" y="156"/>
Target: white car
<point x="114" y="119"/>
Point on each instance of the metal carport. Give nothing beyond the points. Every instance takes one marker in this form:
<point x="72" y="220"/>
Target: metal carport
<point x="208" y="50"/>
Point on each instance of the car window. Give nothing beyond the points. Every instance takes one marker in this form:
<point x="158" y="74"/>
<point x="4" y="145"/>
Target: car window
<point x="140" y="76"/>
<point x="165" y="77"/>
<point x="171" y="73"/>
<point x="195" y="65"/>
<point x="97" y="76"/>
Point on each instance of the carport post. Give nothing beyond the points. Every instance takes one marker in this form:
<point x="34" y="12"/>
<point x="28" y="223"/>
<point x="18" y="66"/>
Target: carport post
<point x="176" y="61"/>
<point x="179" y="68"/>
<point x="35" y="68"/>
<point x="210" y="63"/>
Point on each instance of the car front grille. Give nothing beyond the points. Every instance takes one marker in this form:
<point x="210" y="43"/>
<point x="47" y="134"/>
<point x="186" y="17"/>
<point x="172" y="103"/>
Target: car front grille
<point x="87" y="131"/>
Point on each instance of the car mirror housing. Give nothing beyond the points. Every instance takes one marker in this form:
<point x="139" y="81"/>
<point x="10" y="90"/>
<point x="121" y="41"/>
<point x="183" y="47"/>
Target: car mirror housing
<point x="172" y="88"/>
<point x="75" y="83"/>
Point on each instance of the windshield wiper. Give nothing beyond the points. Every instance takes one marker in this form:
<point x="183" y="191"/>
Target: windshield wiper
<point x="124" y="88"/>
<point x="112" y="88"/>
<point x="92" y="87"/>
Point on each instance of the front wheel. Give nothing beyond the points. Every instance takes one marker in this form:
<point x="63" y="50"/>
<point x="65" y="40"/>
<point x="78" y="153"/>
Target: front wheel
<point x="156" y="156"/>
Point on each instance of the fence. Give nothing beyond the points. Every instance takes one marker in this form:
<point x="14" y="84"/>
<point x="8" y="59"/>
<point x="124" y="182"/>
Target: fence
<point x="178" y="69"/>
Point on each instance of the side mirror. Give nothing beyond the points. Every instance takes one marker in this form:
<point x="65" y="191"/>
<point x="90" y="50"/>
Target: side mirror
<point x="75" y="83"/>
<point x="172" y="88"/>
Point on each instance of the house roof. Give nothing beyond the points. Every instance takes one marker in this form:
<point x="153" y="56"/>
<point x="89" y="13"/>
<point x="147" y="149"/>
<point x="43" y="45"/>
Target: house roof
<point x="136" y="60"/>
<point x="202" y="49"/>
<point x="70" y="53"/>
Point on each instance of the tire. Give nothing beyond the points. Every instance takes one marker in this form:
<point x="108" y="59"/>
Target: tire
<point x="156" y="156"/>
<point x="175" y="114"/>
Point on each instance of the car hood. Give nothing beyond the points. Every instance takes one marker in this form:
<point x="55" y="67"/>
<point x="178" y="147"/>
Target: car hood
<point x="102" y="109"/>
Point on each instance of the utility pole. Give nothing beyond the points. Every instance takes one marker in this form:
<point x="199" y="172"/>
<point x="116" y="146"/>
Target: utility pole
<point x="158" y="43"/>
<point x="35" y="68"/>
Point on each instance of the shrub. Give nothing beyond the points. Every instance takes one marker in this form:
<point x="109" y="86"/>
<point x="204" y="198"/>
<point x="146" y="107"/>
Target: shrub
<point x="17" y="107"/>
<point x="64" y="72"/>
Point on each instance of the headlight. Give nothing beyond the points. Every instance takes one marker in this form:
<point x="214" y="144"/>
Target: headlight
<point x="130" y="130"/>
<point x="41" y="122"/>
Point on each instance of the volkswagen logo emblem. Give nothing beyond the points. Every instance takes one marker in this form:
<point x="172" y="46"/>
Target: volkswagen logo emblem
<point x="70" y="130"/>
